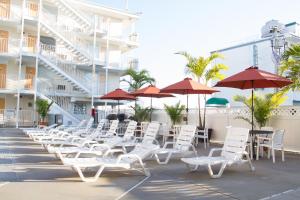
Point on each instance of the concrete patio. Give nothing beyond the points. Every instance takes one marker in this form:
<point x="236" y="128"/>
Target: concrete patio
<point x="27" y="171"/>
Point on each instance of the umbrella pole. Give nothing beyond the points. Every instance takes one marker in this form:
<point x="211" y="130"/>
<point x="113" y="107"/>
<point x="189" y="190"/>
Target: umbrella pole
<point x="118" y="106"/>
<point x="187" y="108"/>
<point x="151" y="109"/>
<point x="252" y="112"/>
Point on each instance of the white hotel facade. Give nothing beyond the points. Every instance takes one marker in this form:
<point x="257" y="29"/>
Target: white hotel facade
<point x="264" y="52"/>
<point x="68" y="51"/>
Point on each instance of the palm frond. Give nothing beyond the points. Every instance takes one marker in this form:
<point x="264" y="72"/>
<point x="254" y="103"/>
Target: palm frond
<point x="175" y="112"/>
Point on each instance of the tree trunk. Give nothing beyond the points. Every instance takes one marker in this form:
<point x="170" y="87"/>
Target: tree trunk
<point x="204" y="113"/>
<point x="199" y="111"/>
<point x="199" y="106"/>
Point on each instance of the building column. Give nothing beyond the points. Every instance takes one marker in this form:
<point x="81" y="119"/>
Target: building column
<point x="94" y="65"/>
<point x="20" y="65"/>
<point x="107" y="60"/>
<point x="37" y="59"/>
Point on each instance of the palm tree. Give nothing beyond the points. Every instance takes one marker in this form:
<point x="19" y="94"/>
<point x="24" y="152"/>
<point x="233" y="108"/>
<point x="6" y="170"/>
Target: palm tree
<point x="138" y="78"/>
<point x="290" y="66"/>
<point x="200" y="68"/>
<point x="175" y="112"/>
<point x="265" y="104"/>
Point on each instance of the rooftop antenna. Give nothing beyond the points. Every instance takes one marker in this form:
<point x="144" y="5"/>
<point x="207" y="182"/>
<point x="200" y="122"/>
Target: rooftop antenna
<point x="126" y="4"/>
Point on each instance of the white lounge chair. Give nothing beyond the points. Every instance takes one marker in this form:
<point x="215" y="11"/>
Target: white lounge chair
<point x="149" y="135"/>
<point x="75" y="143"/>
<point x="86" y="130"/>
<point x="40" y="131"/>
<point x="98" y="149"/>
<point x="233" y="152"/>
<point x="112" y="131"/>
<point x="124" y="161"/>
<point x="62" y="138"/>
<point x="183" y="144"/>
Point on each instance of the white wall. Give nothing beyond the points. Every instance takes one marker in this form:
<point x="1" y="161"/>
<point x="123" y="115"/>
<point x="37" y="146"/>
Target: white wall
<point x="240" y="58"/>
<point x="287" y="118"/>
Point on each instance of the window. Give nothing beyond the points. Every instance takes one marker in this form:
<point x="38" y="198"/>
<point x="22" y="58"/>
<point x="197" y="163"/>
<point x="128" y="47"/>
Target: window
<point x="61" y="87"/>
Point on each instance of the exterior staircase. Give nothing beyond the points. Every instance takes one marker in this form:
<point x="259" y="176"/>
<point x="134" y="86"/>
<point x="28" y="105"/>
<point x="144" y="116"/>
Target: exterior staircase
<point x="71" y="12"/>
<point x="57" y="108"/>
<point x="82" y="55"/>
<point x="71" y="42"/>
<point x="73" y="81"/>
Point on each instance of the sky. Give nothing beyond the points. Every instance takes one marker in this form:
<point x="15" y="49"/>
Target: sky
<point x="198" y="27"/>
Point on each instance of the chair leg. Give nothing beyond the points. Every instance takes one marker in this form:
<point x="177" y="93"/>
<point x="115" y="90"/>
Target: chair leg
<point x="146" y="171"/>
<point x="257" y="151"/>
<point x="163" y="162"/>
<point x="252" y="168"/>
<point x="211" y="173"/>
<point x="282" y="154"/>
<point x="273" y="155"/>
<point x="207" y="142"/>
<point x="194" y="150"/>
<point x="262" y="152"/>
<point x="269" y="153"/>
<point x="92" y="179"/>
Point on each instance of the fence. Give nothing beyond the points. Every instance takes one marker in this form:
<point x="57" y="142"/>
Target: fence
<point x="285" y="117"/>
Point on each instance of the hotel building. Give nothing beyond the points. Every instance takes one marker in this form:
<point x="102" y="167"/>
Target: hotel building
<point x="66" y="51"/>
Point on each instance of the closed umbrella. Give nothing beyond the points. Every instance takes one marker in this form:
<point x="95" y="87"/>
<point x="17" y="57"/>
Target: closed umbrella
<point x="118" y="95"/>
<point x="188" y="86"/>
<point x="152" y="92"/>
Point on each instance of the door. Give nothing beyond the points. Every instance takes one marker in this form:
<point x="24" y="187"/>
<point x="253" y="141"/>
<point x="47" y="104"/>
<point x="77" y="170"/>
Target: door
<point x="3" y="41"/>
<point x="2" y="103"/>
<point x="2" y="76"/>
<point x="31" y="43"/>
<point x="29" y="76"/>
<point x="33" y="9"/>
<point x="4" y="9"/>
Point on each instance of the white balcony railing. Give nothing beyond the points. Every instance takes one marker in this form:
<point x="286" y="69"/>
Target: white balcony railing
<point x="133" y="37"/>
<point x="64" y="61"/>
<point x="9" y="117"/>
<point x="68" y="32"/>
<point x="9" y="46"/>
<point x="29" y="82"/>
<point x="29" y="44"/>
<point x="10" y="13"/>
<point x="31" y="9"/>
<point x="11" y="82"/>
<point x="58" y="87"/>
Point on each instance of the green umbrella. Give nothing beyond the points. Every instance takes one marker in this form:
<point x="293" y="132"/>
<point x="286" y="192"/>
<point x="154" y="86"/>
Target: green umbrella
<point x="216" y="102"/>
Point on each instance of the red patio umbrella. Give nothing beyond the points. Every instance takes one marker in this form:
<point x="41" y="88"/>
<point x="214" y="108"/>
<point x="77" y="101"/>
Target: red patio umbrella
<point x="118" y="94"/>
<point x="152" y="92"/>
<point x="188" y="86"/>
<point x="252" y="78"/>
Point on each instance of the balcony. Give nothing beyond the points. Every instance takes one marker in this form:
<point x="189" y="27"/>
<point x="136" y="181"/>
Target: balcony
<point x="10" y="14"/>
<point x="29" y="44"/>
<point x="31" y="9"/>
<point x="10" y="82"/>
<point x="9" y="46"/>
